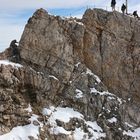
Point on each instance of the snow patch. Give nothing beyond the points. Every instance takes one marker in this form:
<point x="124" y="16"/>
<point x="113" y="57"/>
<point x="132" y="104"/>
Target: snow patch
<point x="128" y="124"/>
<point x="29" y="108"/>
<point x="135" y="134"/>
<point x="119" y="100"/>
<point x="112" y="120"/>
<point x="93" y="90"/>
<point x="94" y="125"/>
<point x="59" y="130"/>
<point x="111" y="96"/>
<point x="7" y="62"/>
<point x="95" y="130"/>
<point x="51" y="76"/>
<point x="64" y="115"/>
<point x="79" y="93"/>
<point x="80" y="23"/>
<point x="61" y="114"/>
<point x="91" y="73"/>
<point x="46" y="111"/>
<point x="77" y="65"/>
<point x="23" y="132"/>
<point x="33" y="118"/>
<point x="79" y="134"/>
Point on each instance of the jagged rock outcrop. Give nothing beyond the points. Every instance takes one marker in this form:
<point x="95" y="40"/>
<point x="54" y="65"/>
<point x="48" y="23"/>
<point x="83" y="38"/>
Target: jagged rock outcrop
<point x="108" y="43"/>
<point x="54" y="79"/>
<point x="112" y="44"/>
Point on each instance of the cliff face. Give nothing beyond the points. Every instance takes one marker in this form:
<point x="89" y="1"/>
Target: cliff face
<point x="112" y="43"/>
<point x="107" y="43"/>
<point x="59" y="60"/>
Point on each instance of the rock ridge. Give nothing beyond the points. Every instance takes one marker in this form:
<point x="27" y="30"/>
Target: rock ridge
<point x="57" y="76"/>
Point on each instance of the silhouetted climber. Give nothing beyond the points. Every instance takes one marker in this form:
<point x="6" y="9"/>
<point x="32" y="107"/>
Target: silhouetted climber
<point x="113" y="3"/>
<point x="123" y="8"/>
<point x="135" y="14"/>
<point x="15" y="54"/>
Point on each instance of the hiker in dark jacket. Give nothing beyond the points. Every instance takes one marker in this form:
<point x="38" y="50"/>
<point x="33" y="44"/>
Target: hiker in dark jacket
<point x="135" y="14"/>
<point x="123" y="8"/>
<point x="13" y="47"/>
<point x="113" y="3"/>
<point x="15" y="54"/>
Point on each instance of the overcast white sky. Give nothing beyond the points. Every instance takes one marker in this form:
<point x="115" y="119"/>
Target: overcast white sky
<point x="15" y="13"/>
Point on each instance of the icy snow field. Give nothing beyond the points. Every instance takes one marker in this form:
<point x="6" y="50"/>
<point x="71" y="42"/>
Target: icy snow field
<point x="53" y="114"/>
<point x="64" y="115"/>
<point x="23" y="132"/>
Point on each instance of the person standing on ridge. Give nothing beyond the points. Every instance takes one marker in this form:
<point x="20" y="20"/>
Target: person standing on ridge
<point x="15" y="54"/>
<point x="113" y="3"/>
<point x="135" y="14"/>
<point x="123" y="8"/>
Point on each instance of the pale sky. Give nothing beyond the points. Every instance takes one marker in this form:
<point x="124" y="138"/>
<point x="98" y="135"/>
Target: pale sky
<point x="15" y="13"/>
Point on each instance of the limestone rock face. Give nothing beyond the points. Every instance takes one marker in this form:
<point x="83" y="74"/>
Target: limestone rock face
<point x="108" y="43"/>
<point x="48" y="44"/>
<point x="55" y="89"/>
<point x="112" y="46"/>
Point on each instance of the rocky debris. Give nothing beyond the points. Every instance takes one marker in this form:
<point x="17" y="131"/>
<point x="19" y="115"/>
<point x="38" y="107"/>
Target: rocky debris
<point x="94" y="102"/>
<point x="54" y="90"/>
<point x="20" y="86"/>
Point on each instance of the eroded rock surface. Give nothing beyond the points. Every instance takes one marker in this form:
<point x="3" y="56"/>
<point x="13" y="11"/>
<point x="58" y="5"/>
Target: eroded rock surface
<point x="55" y="89"/>
<point x="112" y="45"/>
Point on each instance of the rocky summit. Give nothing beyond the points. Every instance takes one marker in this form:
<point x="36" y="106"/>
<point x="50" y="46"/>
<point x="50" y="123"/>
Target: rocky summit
<point x="76" y="79"/>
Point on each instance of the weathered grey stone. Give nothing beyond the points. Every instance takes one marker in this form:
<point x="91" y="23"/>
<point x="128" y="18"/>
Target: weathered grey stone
<point x="56" y="54"/>
<point x="112" y="48"/>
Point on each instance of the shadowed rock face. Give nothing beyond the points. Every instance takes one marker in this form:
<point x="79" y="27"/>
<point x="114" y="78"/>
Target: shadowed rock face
<point x="55" y="56"/>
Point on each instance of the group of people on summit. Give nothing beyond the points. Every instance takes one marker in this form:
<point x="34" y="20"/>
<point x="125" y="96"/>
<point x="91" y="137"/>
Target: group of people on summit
<point x="123" y="9"/>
